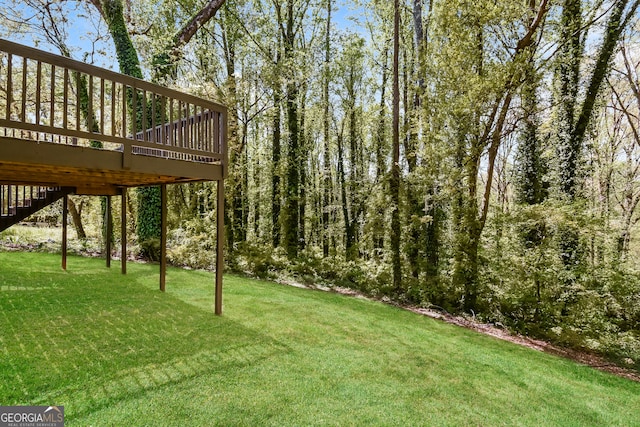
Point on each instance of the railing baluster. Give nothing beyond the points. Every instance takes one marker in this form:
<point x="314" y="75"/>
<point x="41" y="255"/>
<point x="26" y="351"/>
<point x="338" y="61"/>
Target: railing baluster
<point x="163" y="120"/>
<point x="23" y="116"/>
<point x="53" y="97"/>
<point x="154" y="139"/>
<point x="102" y="129"/>
<point x="144" y="116"/>
<point x="78" y="101"/>
<point x="180" y="125"/>
<point x="124" y="111"/>
<point x="171" y="133"/>
<point x="187" y="123"/>
<point x="9" y="85"/>
<point x="90" y="112"/>
<point x="113" y="109"/>
<point x="38" y="88"/>
<point x="134" y="112"/>
<point x="210" y="140"/>
<point x="65" y="100"/>
<point x="222" y="134"/>
<point x="201" y="130"/>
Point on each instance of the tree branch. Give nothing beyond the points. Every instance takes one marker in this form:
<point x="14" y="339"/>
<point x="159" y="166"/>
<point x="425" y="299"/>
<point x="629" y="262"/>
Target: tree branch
<point x="187" y="32"/>
<point x="164" y="62"/>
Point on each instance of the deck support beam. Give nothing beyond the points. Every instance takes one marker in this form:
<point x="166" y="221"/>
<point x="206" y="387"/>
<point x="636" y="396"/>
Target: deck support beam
<point x="65" y="210"/>
<point x="123" y="230"/>
<point x="163" y="236"/>
<point x="108" y="225"/>
<point x="219" y="247"/>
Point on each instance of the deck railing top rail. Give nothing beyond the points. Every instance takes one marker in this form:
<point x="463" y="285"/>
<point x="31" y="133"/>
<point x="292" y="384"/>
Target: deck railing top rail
<point x="50" y="98"/>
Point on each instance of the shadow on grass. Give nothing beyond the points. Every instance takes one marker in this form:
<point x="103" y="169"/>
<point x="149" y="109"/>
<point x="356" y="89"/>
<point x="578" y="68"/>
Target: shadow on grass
<point x="90" y="337"/>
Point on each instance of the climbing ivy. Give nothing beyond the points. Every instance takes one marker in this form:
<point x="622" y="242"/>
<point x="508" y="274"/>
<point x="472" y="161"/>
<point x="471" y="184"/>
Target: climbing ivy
<point x="149" y="212"/>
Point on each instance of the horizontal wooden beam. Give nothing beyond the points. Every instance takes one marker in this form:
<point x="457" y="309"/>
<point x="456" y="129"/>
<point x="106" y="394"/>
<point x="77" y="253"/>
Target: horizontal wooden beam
<point x="95" y="171"/>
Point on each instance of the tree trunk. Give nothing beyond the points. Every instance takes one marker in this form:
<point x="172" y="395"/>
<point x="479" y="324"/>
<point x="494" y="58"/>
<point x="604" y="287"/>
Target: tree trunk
<point x="432" y="210"/>
<point x="394" y="181"/>
<point x="380" y="157"/>
<point x="326" y="170"/>
<point x="343" y="193"/>
<point x="275" y="160"/>
<point x="76" y="217"/>
<point x="352" y="193"/>
<point x="234" y="212"/>
<point x="302" y="161"/>
<point x="414" y="212"/>
<point x="432" y="239"/>
<point x="292" y="192"/>
<point x="568" y="75"/>
<point x="149" y="197"/>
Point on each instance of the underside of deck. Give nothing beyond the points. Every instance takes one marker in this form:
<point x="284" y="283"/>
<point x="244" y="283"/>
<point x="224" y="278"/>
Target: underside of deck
<point x="93" y="171"/>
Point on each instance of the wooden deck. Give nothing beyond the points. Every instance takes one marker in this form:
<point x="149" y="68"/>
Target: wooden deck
<point x="67" y="124"/>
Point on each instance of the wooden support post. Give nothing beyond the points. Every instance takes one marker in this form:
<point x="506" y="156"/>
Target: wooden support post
<point x="123" y="231"/>
<point x="109" y="231"/>
<point x="219" y="247"/>
<point x="163" y="236"/>
<point x="65" y="210"/>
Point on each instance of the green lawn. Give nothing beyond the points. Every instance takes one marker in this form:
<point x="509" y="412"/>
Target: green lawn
<point x="116" y="352"/>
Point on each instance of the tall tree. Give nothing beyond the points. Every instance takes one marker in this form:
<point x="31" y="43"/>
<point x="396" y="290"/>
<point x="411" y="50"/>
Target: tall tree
<point x="574" y="117"/>
<point x="480" y="129"/>
<point x="288" y="27"/>
<point x="394" y="180"/>
<point x="276" y="135"/>
<point x="530" y="186"/>
<point x="235" y="212"/>
<point x="380" y="142"/>
<point x="624" y="141"/>
<point x="326" y="168"/>
<point x="112" y="11"/>
<point x="350" y="68"/>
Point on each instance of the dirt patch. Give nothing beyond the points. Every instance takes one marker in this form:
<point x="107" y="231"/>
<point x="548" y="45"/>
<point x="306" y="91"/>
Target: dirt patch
<point x="585" y="358"/>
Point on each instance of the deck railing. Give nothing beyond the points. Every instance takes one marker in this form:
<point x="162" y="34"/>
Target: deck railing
<point x="13" y="197"/>
<point x="50" y="98"/>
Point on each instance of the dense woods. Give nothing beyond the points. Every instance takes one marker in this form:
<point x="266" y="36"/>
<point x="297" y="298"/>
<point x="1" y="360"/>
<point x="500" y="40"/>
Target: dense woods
<point x="479" y="157"/>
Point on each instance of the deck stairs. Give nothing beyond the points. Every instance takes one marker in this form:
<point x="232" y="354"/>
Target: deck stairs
<point x="18" y="202"/>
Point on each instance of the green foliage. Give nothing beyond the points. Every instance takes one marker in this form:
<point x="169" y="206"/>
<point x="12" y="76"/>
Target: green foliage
<point x="113" y="14"/>
<point x="260" y="261"/>
<point x="149" y="221"/>
<point x="587" y="306"/>
<point x="193" y="243"/>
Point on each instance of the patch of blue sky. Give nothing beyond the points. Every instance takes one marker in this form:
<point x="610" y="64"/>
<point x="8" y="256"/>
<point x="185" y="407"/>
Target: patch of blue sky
<point x="85" y="34"/>
<point x="350" y="16"/>
<point x="77" y="24"/>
